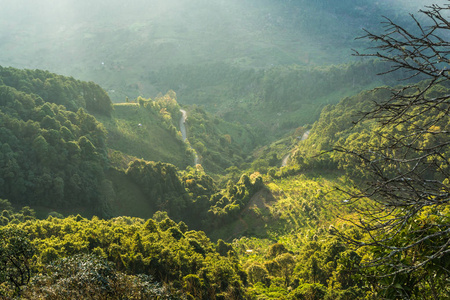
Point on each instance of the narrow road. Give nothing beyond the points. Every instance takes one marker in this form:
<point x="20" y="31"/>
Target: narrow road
<point x="184" y="132"/>
<point x="305" y="135"/>
<point x="183" y="124"/>
<point x="285" y="159"/>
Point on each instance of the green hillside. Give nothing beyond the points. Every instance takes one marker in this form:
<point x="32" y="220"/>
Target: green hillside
<point x="276" y="235"/>
<point x="51" y="155"/>
<point x="271" y="101"/>
<point x="140" y="132"/>
<point x="56" y="156"/>
<point x="231" y="150"/>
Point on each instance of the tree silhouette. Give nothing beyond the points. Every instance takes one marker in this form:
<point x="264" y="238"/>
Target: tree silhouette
<point x="408" y="162"/>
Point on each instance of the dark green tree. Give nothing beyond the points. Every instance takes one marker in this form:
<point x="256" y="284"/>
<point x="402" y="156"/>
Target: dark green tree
<point x="16" y="252"/>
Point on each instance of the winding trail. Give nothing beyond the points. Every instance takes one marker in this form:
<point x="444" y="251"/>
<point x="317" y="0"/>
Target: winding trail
<point x="305" y="135"/>
<point x="183" y="124"/>
<point x="285" y="159"/>
<point x="184" y="132"/>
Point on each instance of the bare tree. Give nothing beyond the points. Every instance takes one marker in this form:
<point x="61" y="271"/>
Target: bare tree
<point x="408" y="220"/>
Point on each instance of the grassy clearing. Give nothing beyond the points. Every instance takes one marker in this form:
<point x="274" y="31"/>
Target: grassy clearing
<point x="291" y="210"/>
<point x="136" y="131"/>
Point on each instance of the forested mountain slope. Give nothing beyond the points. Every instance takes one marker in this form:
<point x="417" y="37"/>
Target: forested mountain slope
<point x="112" y="201"/>
<point x="288" y="216"/>
<point x="56" y="156"/>
<point x="51" y="155"/>
<point x="271" y="101"/>
<point x="338" y="128"/>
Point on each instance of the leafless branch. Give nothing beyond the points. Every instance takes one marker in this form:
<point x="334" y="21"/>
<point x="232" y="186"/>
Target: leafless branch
<point x="409" y="164"/>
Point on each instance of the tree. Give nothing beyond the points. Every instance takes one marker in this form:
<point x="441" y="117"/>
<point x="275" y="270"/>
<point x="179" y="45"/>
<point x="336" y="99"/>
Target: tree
<point x="86" y="276"/>
<point x="409" y="219"/>
<point x="275" y="250"/>
<point x="5" y="205"/>
<point x="287" y="263"/>
<point x="16" y="252"/>
<point x="258" y="273"/>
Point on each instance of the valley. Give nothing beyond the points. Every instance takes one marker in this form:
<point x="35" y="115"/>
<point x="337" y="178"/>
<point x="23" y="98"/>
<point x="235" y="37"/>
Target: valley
<point x="224" y="150"/>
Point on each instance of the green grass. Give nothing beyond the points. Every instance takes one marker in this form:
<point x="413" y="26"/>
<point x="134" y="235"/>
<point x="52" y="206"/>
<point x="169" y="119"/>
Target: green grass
<point x="296" y="204"/>
<point x="138" y="132"/>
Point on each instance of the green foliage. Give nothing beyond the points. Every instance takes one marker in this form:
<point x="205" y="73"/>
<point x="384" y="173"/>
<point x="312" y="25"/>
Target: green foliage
<point x="5" y="205"/>
<point x="219" y="144"/>
<point x="10" y="215"/>
<point x="49" y="156"/>
<point x="336" y="129"/>
<point x="161" y="184"/>
<point x="55" y="158"/>
<point x="275" y="250"/>
<point x="147" y="130"/>
<point x="229" y="202"/>
<point x="16" y="252"/>
<point x="298" y="258"/>
<point x="53" y="153"/>
<point x="180" y="259"/>
<point x="57" y="89"/>
<point x="273" y="100"/>
<point x="425" y="282"/>
<point x="223" y="248"/>
<point x="192" y="196"/>
<point x="322" y="267"/>
<point x="86" y="276"/>
<point x="258" y="273"/>
<point x="309" y="291"/>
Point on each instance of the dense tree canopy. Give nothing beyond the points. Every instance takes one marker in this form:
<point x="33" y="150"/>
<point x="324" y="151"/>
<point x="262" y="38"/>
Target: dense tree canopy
<point x="61" y="90"/>
<point x="49" y="155"/>
<point x="387" y="150"/>
<point x="77" y="257"/>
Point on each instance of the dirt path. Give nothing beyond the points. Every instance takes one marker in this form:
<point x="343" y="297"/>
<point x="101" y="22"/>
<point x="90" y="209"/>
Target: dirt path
<point x="183" y="124"/>
<point x="184" y="132"/>
<point x="285" y="159"/>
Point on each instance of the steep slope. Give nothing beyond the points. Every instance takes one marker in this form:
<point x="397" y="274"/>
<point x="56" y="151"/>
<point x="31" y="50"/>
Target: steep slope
<point x="56" y="159"/>
<point x="51" y="156"/>
<point x="273" y="101"/>
<point x="139" y="132"/>
<point x="337" y="129"/>
<point x="54" y="153"/>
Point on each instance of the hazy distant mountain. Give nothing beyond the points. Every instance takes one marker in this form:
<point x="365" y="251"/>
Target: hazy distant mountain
<point x="115" y="42"/>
